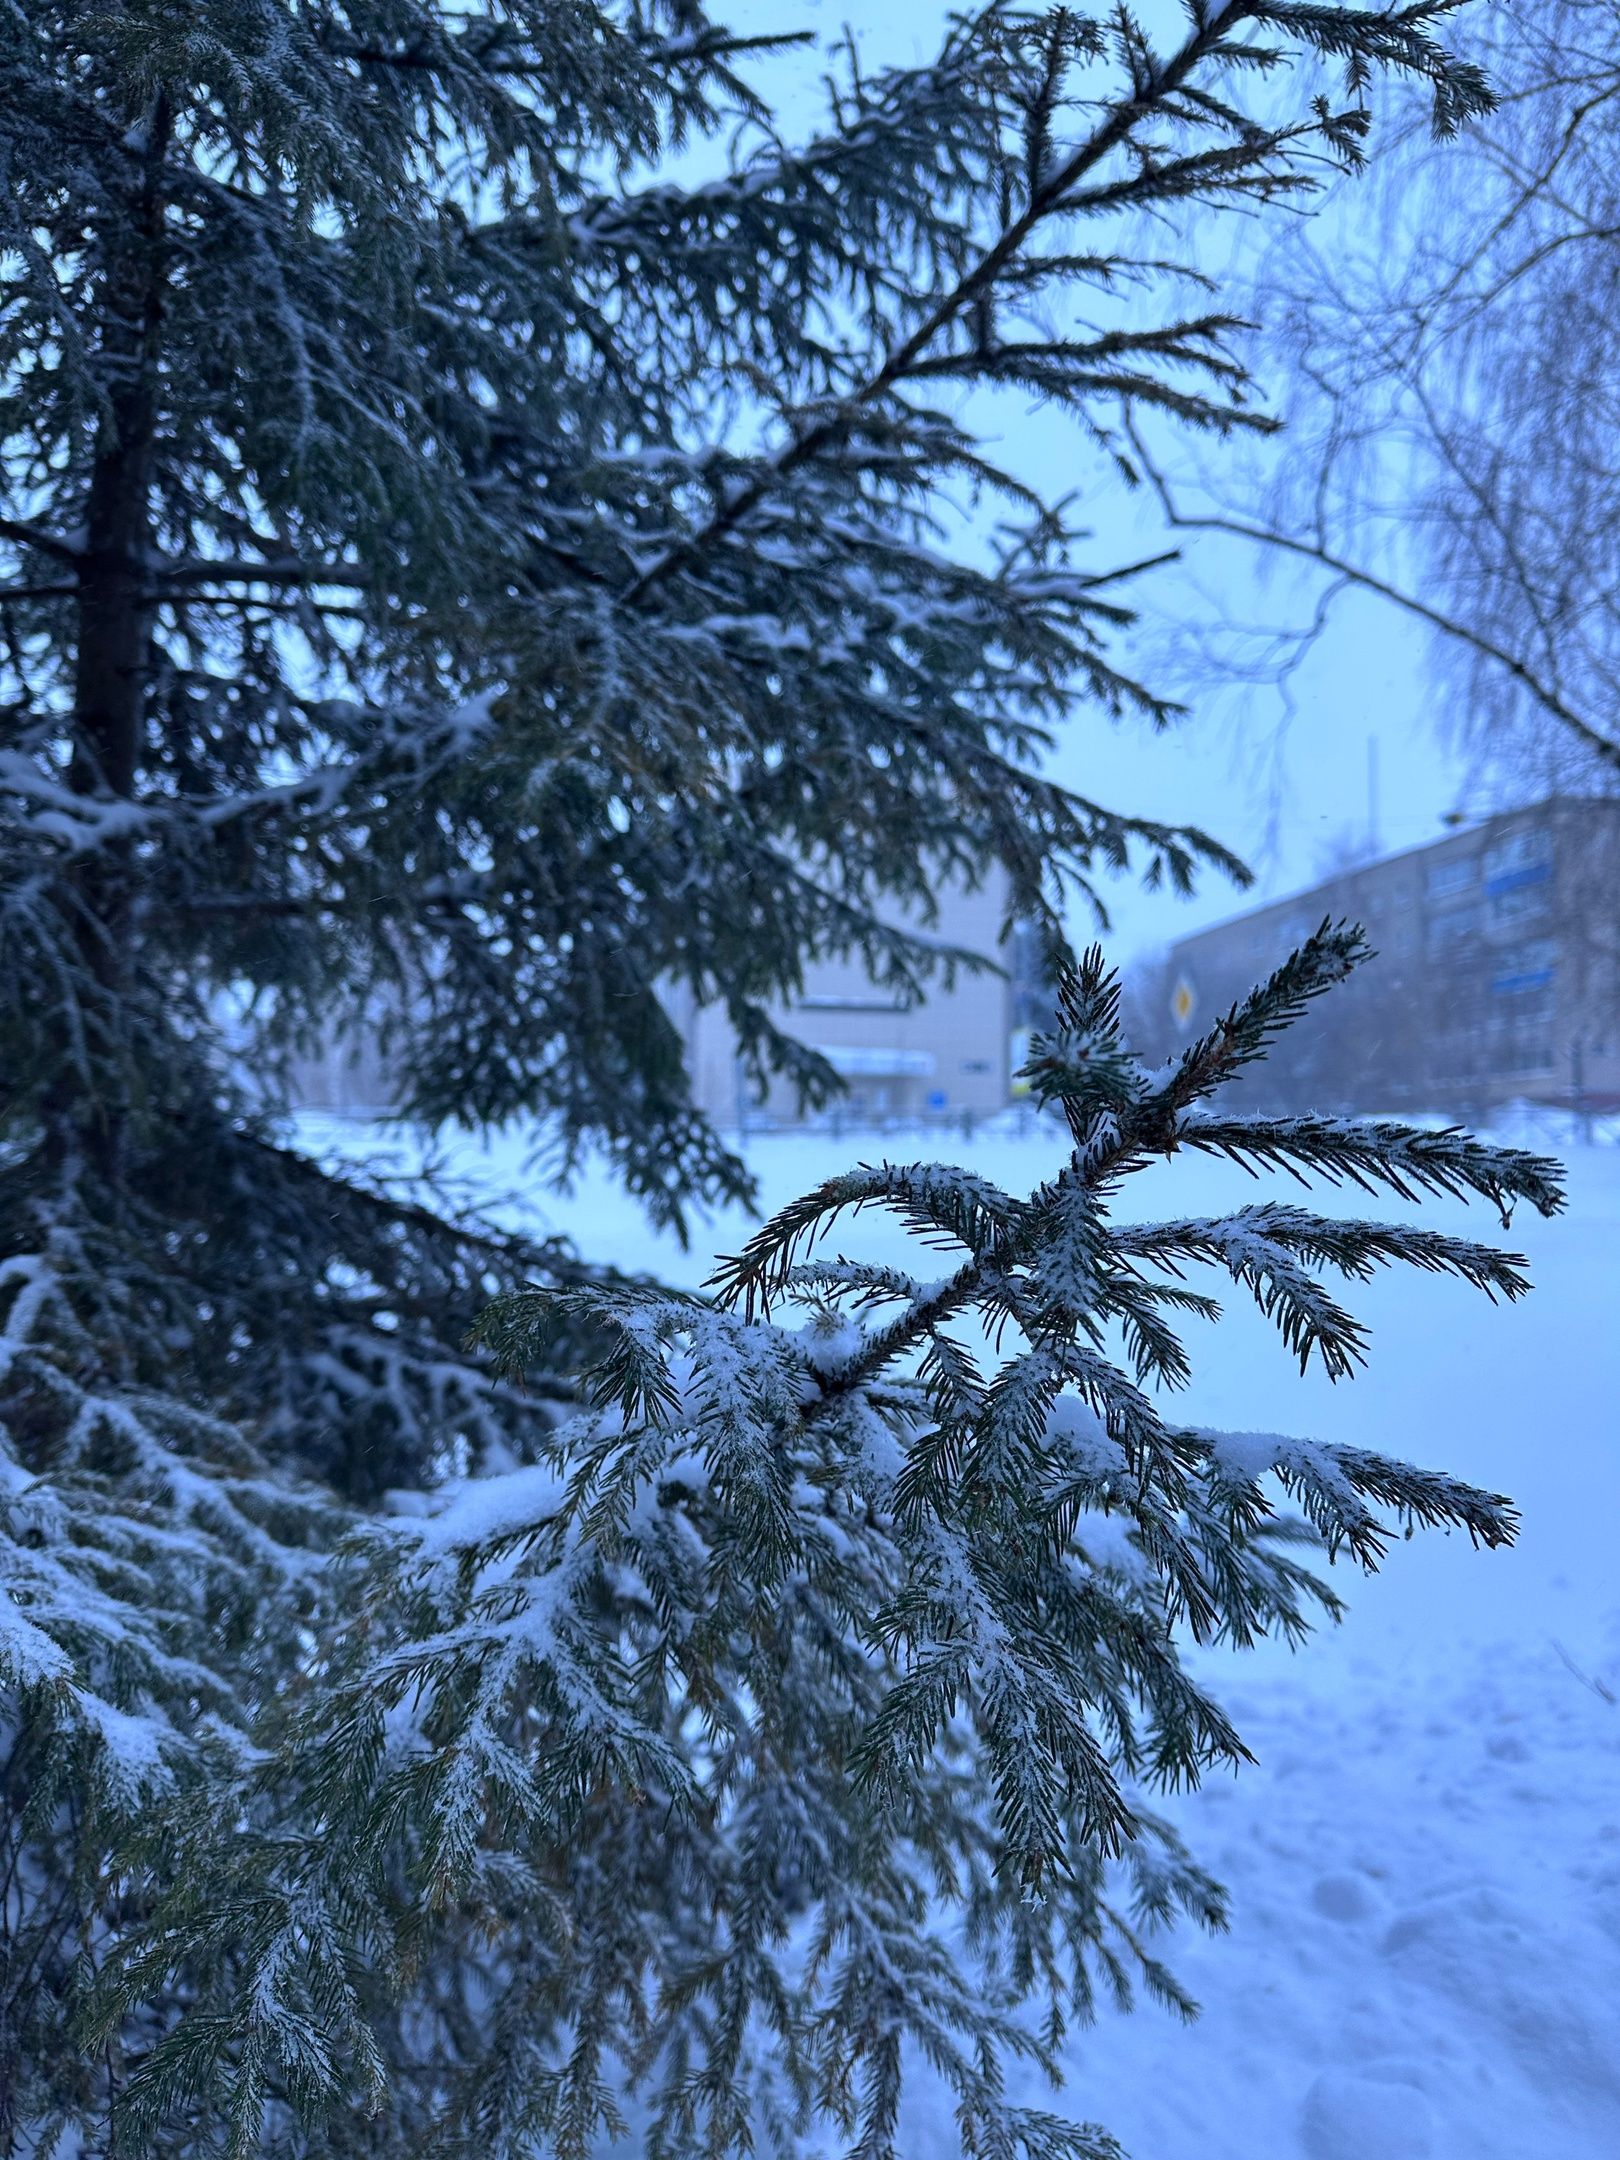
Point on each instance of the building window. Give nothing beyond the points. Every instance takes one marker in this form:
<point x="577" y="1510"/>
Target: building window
<point x="1526" y="972"/>
<point x="1518" y="859"/>
<point x="1446" y="878"/>
<point x="1455" y="926"/>
<point x="1515" y="904"/>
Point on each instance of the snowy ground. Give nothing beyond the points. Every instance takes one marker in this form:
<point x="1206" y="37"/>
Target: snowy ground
<point x="1425" y="1866"/>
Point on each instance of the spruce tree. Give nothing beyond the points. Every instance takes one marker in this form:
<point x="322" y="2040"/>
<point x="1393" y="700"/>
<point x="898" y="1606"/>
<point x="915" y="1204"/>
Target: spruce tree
<point x="458" y="580"/>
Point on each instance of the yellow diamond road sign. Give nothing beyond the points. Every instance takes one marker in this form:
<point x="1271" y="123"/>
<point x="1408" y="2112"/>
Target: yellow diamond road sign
<point x="1181" y="1001"/>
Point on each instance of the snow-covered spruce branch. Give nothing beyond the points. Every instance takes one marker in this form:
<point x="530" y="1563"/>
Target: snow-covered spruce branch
<point x="1160" y="89"/>
<point x="132" y="1570"/>
<point x="1376" y="1153"/>
<point x="1274" y="1249"/>
<point x="808" y="1602"/>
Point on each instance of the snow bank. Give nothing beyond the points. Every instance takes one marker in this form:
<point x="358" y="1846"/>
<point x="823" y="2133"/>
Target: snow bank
<point x="1425" y="1951"/>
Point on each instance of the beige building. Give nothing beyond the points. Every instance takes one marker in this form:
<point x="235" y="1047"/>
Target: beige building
<point x="1497" y="976"/>
<point x="951" y="1055"/>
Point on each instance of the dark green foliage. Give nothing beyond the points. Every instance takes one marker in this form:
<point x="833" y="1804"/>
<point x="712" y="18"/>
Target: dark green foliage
<point x="461" y="584"/>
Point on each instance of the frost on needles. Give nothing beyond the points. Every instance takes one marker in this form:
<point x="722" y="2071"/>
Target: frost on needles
<point x="475" y="557"/>
<point x="812" y="1694"/>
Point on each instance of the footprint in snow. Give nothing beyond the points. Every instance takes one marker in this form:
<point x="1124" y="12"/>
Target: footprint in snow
<point x="1348" y="2116"/>
<point x="1345" y="1897"/>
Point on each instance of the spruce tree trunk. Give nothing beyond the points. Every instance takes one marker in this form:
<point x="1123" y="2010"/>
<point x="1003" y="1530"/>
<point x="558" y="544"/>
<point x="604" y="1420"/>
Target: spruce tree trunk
<point x="113" y="608"/>
<point x="112" y="631"/>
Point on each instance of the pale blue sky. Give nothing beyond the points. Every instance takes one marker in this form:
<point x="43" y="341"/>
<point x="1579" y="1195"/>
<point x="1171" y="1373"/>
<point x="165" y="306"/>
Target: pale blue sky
<point x="1277" y="783"/>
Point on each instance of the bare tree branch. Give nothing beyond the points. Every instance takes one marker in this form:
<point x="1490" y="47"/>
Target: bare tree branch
<point x="1352" y="573"/>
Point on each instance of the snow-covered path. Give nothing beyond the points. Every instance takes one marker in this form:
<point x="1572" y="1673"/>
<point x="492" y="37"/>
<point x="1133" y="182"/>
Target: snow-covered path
<point x="1425" y="1950"/>
<point x="1425" y="1866"/>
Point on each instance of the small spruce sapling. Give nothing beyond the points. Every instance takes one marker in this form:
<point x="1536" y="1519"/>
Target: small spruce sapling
<point x="820" y="1680"/>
